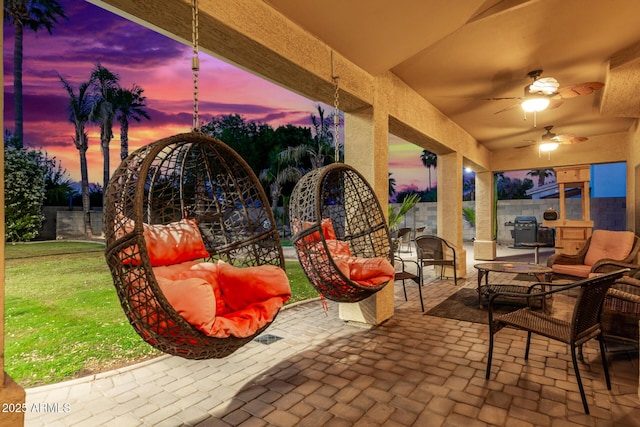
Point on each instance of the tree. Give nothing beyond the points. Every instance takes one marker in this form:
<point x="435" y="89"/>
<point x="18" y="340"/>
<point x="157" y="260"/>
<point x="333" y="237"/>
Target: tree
<point x="509" y="189"/>
<point x="542" y="175"/>
<point x="58" y="187"/>
<point x="130" y="105"/>
<point x="80" y="106"/>
<point x="23" y="195"/>
<point x="251" y="140"/>
<point x="315" y="153"/>
<point x="468" y="186"/>
<point x="392" y="185"/>
<point x="105" y="86"/>
<point x="35" y="15"/>
<point x="429" y="160"/>
<point x="275" y="178"/>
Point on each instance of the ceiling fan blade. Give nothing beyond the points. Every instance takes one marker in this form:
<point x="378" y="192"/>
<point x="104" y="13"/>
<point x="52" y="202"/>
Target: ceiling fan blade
<point x="555" y="103"/>
<point x="507" y="108"/>
<point x="529" y="141"/>
<point x="579" y="89"/>
<point x="568" y="139"/>
<point x="502" y="98"/>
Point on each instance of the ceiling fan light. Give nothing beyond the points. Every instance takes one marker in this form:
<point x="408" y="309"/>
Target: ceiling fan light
<point x="548" y="146"/>
<point x="533" y="104"/>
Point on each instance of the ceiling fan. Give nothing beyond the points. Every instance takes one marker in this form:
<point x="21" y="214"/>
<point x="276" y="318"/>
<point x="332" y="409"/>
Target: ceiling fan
<point x="546" y="92"/>
<point x="550" y="140"/>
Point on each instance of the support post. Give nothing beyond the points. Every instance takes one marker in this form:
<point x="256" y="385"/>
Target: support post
<point x="366" y="149"/>
<point x="450" y="206"/>
<point x="484" y="245"/>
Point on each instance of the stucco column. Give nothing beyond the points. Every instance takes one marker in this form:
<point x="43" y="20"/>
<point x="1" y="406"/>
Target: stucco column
<point x="449" y="172"/>
<point x="366" y="149"/>
<point x="484" y="246"/>
<point x="10" y="392"/>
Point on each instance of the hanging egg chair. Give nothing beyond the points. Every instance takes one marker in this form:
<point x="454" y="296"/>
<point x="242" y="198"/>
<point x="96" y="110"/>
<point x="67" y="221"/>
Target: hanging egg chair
<point x="340" y="234"/>
<point x="173" y="204"/>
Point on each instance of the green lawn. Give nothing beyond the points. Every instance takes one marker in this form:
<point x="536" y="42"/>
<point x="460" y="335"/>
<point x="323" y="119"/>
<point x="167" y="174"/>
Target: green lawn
<point x="62" y="316"/>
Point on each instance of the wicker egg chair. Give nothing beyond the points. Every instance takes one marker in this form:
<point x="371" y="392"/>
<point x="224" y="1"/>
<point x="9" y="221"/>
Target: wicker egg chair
<point x="195" y="176"/>
<point x="339" y="193"/>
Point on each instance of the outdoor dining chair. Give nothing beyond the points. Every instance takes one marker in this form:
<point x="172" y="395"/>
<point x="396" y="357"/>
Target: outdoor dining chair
<point x="583" y="326"/>
<point x="436" y="251"/>
<point x="404" y="274"/>
<point x="404" y="239"/>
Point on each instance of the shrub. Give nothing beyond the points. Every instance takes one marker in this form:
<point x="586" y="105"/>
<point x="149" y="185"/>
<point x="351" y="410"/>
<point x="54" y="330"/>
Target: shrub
<point x="24" y="194"/>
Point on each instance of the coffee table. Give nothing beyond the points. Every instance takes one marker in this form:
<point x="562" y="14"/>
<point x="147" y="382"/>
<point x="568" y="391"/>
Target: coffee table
<point x="542" y="273"/>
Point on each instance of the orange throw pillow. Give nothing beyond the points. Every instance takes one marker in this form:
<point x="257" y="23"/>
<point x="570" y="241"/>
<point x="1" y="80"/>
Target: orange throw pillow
<point x="326" y="226"/>
<point x="242" y="287"/>
<point x="193" y="299"/>
<point x="371" y="271"/>
<point x="168" y="244"/>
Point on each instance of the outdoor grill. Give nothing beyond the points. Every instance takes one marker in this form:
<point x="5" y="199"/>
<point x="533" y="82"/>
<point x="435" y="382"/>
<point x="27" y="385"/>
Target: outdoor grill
<point x="525" y="230"/>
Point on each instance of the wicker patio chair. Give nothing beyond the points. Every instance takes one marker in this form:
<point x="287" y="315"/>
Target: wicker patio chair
<point x="434" y="250"/>
<point x="583" y="326"/>
<point x="185" y="176"/>
<point x="621" y="310"/>
<point x="404" y="237"/>
<point x="404" y="274"/>
<point x="337" y="195"/>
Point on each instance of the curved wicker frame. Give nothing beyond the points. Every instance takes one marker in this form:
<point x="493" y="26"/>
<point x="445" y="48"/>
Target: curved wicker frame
<point x="199" y="177"/>
<point x="338" y="192"/>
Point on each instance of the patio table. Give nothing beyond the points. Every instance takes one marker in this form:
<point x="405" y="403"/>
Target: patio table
<point x="541" y="272"/>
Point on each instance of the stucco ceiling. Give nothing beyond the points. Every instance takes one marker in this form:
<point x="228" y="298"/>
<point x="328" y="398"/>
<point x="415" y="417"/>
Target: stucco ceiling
<point x="456" y="54"/>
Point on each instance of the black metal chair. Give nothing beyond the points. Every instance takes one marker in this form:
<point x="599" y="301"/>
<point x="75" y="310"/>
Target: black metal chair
<point x="583" y="326"/>
<point x="404" y="239"/>
<point x="403" y="274"/>
<point x="434" y="250"/>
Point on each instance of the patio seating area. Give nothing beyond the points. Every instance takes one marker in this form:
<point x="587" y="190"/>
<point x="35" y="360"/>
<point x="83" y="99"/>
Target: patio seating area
<point x="309" y="368"/>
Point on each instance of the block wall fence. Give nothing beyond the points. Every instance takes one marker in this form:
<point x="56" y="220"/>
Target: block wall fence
<point x="607" y="213"/>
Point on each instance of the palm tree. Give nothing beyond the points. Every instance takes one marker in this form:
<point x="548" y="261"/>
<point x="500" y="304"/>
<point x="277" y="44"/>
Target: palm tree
<point x="34" y="14"/>
<point x="80" y="106"/>
<point x="130" y="104"/>
<point x="276" y="178"/>
<point x="392" y="185"/>
<point x="318" y="153"/>
<point x="542" y="175"/>
<point x="429" y="160"/>
<point x="105" y="86"/>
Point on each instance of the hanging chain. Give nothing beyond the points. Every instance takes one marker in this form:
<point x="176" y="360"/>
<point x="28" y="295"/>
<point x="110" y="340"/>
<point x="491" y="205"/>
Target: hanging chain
<point x="336" y="119"/>
<point x="336" y="113"/>
<point x="195" y="60"/>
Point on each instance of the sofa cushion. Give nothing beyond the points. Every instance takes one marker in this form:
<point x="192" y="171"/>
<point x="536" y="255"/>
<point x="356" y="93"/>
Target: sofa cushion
<point x="609" y="244"/>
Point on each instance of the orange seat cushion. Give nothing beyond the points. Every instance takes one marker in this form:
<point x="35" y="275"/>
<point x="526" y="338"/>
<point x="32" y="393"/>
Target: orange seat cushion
<point x="242" y="287"/>
<point x="578" y="270"/>
<point x="609" y="244"/>
<point x="222" y="300"/>
<point x="193" y="299"/>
